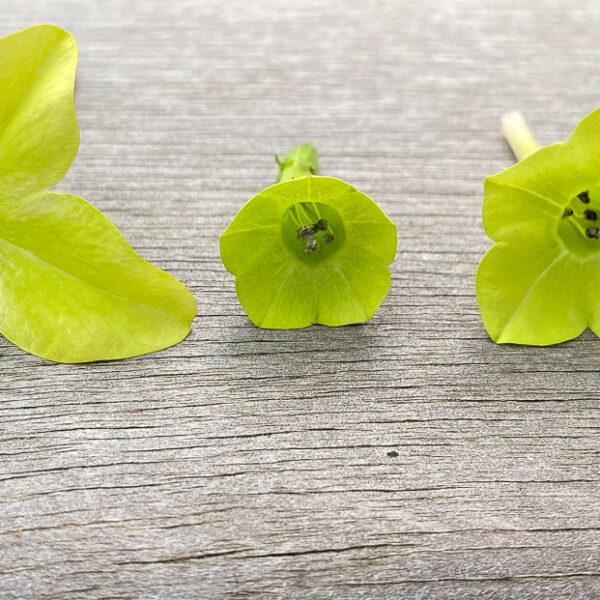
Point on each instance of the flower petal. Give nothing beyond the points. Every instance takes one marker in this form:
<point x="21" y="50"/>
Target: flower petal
<point x="533" y="292"/>
<point x="278" y="296"/>
<point x="254" y="236"/>
<point x="73" y="290"/>
<point x="352" y="290"/>
<point x="38" y="128"/>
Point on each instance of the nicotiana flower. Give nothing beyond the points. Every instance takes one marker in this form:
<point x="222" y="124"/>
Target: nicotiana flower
<point x="71" y="287"/>
<point x="309" y="249"/>
<point x="540" y="282"/>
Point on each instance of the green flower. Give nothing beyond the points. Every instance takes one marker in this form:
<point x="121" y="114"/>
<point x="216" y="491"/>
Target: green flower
<point x="309" y="250"/>
<point x="540" y="282"/>
<point x="71" y="287"/>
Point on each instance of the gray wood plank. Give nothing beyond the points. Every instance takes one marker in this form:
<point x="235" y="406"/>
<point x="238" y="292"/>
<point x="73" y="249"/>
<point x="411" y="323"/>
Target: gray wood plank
<point x="409" y="457"/>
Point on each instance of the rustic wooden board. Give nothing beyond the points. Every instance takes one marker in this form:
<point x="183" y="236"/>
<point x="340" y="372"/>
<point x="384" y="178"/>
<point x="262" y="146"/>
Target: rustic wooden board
<point x="409" y="457"/>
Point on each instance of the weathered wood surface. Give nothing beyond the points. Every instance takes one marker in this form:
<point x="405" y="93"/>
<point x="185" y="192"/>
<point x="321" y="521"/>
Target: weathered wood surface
<point x="409" y="457"/>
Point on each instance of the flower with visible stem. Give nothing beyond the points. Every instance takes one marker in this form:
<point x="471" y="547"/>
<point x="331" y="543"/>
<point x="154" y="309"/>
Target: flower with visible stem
<point x="309" y="249"/>
<point x="539" y="283"/>
<point x="71" y="288"/>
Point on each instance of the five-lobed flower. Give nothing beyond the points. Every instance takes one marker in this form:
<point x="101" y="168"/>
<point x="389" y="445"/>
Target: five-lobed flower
<point x="309" y="249"/>
<point x="71" y="288"/>
<point x="539" y="283"/>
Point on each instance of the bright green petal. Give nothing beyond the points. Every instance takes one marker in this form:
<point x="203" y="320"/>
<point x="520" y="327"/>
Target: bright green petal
<point x="584" y="139"/>
<point x="38" y="129"/>
<point x="73" y="290"/>
<point x="284" y="288"/>
<point x="366" y="223"/>
<point x="509" y="209"/>
<point x="533" y="292"/>
<point x="353" y="290"/>
<point x="254" y="236"/>
<point x="278" y="295"/>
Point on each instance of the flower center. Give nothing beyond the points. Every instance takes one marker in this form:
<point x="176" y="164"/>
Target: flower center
<point x="579" y="227"/>
<point x="312" y="231"/>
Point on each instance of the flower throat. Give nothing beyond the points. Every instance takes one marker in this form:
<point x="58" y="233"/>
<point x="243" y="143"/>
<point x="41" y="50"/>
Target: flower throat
<point x="579" y="227"/>
<point x="312" y="231"/>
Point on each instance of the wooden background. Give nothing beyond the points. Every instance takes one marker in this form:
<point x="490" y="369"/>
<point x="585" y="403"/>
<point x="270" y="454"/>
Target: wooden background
<point x="408" y="457"/>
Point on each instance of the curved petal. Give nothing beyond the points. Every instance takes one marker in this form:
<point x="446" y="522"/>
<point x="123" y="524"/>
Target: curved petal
<point x="533" y="292"/>
<point x="352" y="290"/>
<point x="38" y="128"/>
<point x="254" y="235"/>
<point x="73" y="290"/>
<point x="585" y="138"/>
<point x="509" y="208"/>
<point x="279" y="296"/>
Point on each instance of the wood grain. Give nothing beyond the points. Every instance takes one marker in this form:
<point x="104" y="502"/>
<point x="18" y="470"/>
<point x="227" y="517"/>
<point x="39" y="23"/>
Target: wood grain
<point x="408" y="457"/>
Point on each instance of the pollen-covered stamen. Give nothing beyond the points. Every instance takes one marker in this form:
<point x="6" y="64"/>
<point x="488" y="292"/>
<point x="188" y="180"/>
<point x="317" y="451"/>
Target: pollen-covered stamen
<point x="311" y="245"/>
<point x="308" y="232"/>
<point x="575" y="223"/>
<point x="312" y="231"/>
<point x="305" y="233"/>
<point x="584" y="197"/>
<point x="593" y="232"/>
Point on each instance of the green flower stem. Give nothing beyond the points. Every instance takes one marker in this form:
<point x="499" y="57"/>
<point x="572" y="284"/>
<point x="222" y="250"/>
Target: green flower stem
<point x="298" y="162"/>
<point x="518" y="135"/>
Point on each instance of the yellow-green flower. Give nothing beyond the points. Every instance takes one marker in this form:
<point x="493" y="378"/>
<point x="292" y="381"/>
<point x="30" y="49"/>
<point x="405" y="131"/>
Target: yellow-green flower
<point x="71" y="287"/>
<point x="539" y="283"/>
<point x="309" y="249"/>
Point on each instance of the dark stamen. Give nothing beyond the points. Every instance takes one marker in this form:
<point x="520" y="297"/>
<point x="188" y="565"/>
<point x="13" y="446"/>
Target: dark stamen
<point x="305" y="232"/>
<point x="311" y="245"/>
<point x="584" y="197"/>
<point x="590" y="215"/>
<point x="593" y="232"/>
<point x="328" y="238"/>
<point x="322" y="223"/>
<point x="567" y="212"/>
